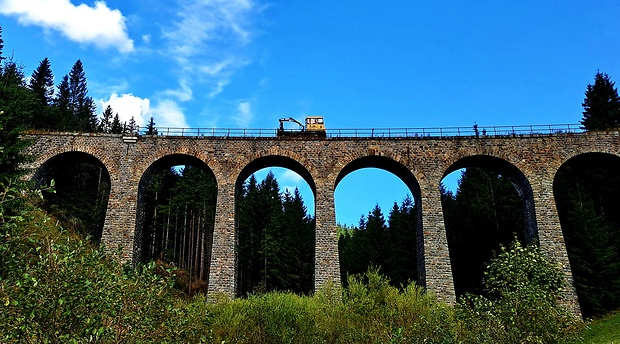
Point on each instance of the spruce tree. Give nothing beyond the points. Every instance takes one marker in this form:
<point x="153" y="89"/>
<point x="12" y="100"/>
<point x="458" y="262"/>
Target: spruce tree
<point x="150" y="127"/>
<point x="486" y="212"/>
<point x="62" y="106"/>
<point x="81" y="105"/>
<point x="117" y="127"/>
<point x="42" y="82"/>
<point x="601" y="104"/>
<point x="105" y="125"/>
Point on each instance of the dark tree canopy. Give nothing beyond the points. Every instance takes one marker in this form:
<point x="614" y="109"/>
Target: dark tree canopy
<point x="601" y="104"/>
<point x="486" y="211"/>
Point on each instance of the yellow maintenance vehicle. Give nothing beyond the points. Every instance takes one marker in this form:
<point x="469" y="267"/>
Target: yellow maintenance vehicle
<point x="314" y="127"/>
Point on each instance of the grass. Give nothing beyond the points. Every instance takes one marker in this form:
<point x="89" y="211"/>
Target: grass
<point x="603" y="330"/>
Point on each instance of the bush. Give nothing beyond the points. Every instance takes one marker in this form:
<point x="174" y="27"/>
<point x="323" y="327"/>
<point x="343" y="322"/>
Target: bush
<point x="56" y="287"/>
<point x="521" y="303"/>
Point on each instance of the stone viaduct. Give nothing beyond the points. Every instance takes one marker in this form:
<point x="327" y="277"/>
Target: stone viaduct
<point x="530" y="161"/>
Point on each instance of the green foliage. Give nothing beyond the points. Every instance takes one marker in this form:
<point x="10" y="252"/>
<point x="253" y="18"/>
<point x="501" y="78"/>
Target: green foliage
<point x="601" y="104"/>
<point x="55" y="287"/>
<point x="369" y="311"/>
<point x="276" y="239"/>
<point x="390" y="246"/>
<point x="522" y="306"/>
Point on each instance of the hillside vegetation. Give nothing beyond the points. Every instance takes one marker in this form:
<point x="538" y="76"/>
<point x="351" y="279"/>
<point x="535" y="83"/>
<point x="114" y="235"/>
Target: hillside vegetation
<point x="56" y="287"/>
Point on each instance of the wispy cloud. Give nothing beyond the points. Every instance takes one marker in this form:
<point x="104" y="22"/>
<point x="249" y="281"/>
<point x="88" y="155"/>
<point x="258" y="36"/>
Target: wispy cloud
<point x="98" y="25"/>
<point x="207" y="41"/>
<point x="244" y="114"/>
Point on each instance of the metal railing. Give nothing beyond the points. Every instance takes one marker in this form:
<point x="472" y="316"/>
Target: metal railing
<point x="446" y="132"/>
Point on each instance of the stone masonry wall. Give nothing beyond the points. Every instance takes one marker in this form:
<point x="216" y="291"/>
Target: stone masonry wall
<point x="533" y="160"/>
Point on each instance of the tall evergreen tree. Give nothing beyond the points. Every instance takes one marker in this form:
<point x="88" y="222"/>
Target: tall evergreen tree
<point x="62" y="106"/>
<point x="117" y="127"/>
<point x="105" y="124"/>
<point x="601" y="104"/>
<point x="81" y="105"/>
<point x="275" y="239"/>
<point x="485" y="212"/>
<point x="17" y="103"/>
<point x="42" y="82"/>
<point x="132" y="126"/>
<point x="150" y="127"/>
<point x="390" y="246"/>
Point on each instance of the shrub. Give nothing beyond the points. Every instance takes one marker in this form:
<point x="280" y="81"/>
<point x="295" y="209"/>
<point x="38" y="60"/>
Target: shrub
<point x="521" y="303"/>
<point x="56" y="287"/>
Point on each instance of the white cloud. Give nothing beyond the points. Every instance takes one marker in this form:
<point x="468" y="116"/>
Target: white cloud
<point x="166" y="112"/>
<point x="244" y="114"/>
<point x="98" y="25"/>
<point x="128" y="105"/>
<point x="288" y="176"/>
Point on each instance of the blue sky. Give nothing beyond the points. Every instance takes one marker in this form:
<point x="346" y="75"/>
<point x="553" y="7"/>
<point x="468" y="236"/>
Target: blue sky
<point x="246" y="63"/>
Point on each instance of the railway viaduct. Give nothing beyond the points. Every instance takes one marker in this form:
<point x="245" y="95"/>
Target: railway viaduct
<point x="530" y="161"/>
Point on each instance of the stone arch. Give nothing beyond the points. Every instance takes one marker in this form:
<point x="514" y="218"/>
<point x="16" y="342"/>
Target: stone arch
<point x="164" y="162"/>
<point x="393" y="166"/>
<point x="587" y="241"/>
<point x="385" y="163"/>
<point x="93" y="152"/>
<point x="47" y="171"/>
<point x="307" y="263"/>
<point x="274" y="161"/>
<point x="516" y="177"/>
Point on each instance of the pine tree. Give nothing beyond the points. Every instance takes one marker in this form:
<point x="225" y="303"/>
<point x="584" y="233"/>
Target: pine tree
<point x="62" y="106"/>
<point x="105" y="124"/>
<point x="81" y="105"/>
<point x="601" y="104"/>
<point x="150" y="128"/>
<point x="131" y="127"/>
<point x="42" y="82"/>
<point x="486" y="212"/>
<point x="117" y="127"/>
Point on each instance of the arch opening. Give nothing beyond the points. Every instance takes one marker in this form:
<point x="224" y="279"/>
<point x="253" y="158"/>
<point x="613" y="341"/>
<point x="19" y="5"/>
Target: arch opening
<point x="586" y="189"/>
<point x="81" y="191"/>
<point x="388" y="236"/>
<point x="176" y="215"/>
<point x="275" y="236"/>
<point x="490" y="205"/>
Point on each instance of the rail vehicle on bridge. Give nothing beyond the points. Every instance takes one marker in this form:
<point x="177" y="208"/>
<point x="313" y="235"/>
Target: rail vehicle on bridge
<point x="315" y="126"/>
